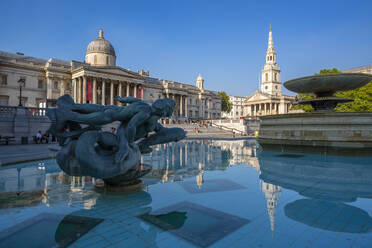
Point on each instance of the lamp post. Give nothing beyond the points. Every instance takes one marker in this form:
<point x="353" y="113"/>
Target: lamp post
<point x="21" y="82"/>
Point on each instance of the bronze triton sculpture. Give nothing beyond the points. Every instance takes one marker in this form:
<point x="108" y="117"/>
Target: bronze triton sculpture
<point x="113" y="157"/>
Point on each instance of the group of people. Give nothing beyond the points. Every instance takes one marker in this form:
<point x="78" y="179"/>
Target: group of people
<point x="41" y="137"/>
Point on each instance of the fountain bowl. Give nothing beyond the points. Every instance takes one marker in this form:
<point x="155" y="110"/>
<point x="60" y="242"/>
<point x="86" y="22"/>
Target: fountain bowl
<point x="327" y="84"/>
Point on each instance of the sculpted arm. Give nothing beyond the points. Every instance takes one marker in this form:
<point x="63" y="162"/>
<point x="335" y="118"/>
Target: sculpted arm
<point x="128" y="99"/>
<point x="137" y="120"/>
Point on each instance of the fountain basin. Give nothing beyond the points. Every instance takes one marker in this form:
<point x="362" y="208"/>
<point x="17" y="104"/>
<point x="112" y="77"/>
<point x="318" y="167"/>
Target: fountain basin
<point x="318" y="131"/>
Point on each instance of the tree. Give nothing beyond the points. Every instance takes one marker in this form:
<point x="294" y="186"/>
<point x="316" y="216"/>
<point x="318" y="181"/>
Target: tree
<point x="226" y="105"/>
<point x="362" y="97"/>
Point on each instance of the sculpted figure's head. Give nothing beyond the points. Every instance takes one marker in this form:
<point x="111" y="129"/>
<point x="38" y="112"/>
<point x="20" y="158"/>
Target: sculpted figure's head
<point x="163" y="107"/>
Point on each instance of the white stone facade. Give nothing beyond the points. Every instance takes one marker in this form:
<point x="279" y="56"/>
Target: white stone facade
<point x="237" y="110"/>
<point x="97" y="80"/>
<point x="363" y="69"/>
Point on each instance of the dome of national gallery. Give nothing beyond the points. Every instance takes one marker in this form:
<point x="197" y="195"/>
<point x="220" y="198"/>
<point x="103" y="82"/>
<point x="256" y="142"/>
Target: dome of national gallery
<point x="100" y="52"/>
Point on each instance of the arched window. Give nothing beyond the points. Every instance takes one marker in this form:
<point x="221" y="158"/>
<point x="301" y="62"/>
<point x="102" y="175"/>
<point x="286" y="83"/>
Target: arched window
<point x="95" y="59"/>
<point x="271" y="57"/>
<point x="107" y="60"/>
<point x="268" y="58"/>
<point x="266" y="77"/>
<point x="275" y="76"/>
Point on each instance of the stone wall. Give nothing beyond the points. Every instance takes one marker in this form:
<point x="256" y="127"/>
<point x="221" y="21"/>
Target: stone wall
<point x="334" y="129"/>
<point x="241" y="125"/>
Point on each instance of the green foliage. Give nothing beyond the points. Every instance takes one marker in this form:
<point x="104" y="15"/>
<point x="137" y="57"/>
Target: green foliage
<point x="328" y="71"/>
<point x="226" y="105"/>
<point x="362" y="97"/>
<point x="306" y="107"/>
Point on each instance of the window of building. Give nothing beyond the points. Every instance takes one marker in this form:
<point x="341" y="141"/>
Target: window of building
<point x="107" y="60"/>
<point x="40" y="83"/>
<point x="4" y="79"/>
<point x="275" y="76"/>
<point x="276" y="86"/>
<point x="271" y="57"/>
<point x="95" y="59"/>
<point x="268" y="58"/>
<point x="4" y="100"/>
<point x="56" y="85"/>
<point x="265" y="87"/>
<point x="266" y="77"/>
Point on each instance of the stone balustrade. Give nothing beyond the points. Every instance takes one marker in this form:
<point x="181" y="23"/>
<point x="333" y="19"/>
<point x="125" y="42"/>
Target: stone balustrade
<point x="22" y="122"/>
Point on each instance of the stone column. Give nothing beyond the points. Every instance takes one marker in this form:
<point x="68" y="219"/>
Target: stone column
<point x="142" y="93"/>
<point x="62" y="89"/>
<point x="79" y="90"/>
<point x="181" y="106"/>
<point x="74" y="88"/>
<point x="127" y="89"/>
<point x="135" y="91"/>
<point x="265" y="108"/>
<point x="103" y="91"/>
<point x="271" y="108"/>
<point x="49" y="88"/>
<point x="84" y="89"/>
<point x="186" y="109"/>
<point x="120" y="89"/>
<point x="111" y="92"/>
<point x="94" y="98"/>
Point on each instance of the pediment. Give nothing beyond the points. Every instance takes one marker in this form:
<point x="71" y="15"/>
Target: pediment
<point x="257" y="96"/>
<point x="117" y="71"/>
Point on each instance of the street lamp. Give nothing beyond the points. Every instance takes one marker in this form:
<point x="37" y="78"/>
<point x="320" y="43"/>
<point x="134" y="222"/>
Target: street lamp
<point x="21" y="82"/>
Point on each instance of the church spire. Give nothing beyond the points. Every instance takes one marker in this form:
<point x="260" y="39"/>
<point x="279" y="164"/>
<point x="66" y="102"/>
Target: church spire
<point x="270" y="47"/>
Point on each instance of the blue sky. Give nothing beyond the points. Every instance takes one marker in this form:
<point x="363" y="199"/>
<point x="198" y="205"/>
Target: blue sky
<point x="225" y="41"/>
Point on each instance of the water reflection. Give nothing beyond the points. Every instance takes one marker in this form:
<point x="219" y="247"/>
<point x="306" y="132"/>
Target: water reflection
<point x="328" y="182"/>
<point x="173" y="162"/>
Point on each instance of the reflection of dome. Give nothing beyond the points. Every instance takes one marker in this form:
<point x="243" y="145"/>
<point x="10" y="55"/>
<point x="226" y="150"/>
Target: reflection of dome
<point x="100" y="52"/>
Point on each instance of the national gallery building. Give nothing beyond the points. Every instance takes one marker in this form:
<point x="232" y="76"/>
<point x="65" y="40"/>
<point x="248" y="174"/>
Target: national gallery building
<point x="96" y="80"/>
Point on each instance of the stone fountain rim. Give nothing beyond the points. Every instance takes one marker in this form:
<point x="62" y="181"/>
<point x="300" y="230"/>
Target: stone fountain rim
<point x="330" y="74"/>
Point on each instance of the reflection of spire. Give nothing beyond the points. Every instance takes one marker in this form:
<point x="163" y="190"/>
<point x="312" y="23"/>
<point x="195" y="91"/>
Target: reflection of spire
<point x="272" y="193"/>
<point x="200" y="179"/>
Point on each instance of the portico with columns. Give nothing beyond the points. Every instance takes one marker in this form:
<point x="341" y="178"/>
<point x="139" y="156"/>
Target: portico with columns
<point x="99" y="86"/>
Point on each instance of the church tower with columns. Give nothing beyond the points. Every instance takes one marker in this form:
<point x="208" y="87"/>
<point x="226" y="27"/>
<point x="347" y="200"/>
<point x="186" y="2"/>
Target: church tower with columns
<point x="270" y="77"/>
